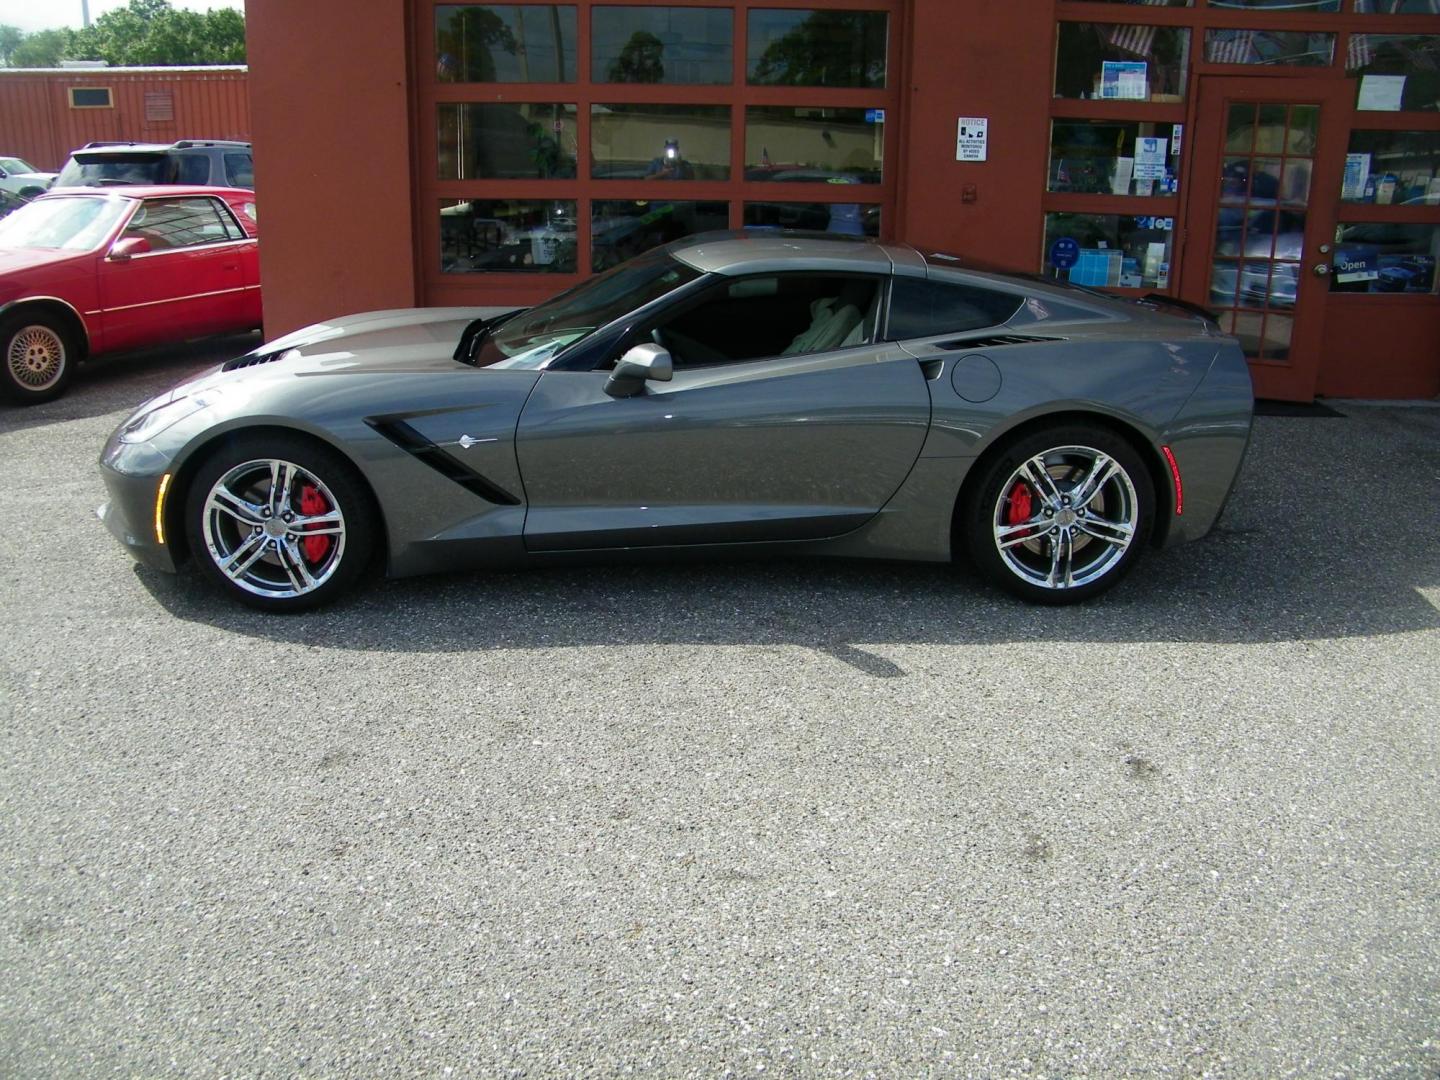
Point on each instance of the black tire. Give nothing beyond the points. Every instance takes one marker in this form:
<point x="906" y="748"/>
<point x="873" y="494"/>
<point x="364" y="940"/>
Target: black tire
<point x="1047" y="527"/>
<point x="38" y="353"/>
<point x="280" y="564"/>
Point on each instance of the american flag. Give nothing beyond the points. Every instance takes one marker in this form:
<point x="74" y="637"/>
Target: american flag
<point x="1229" y="46"/>
<point x="1136" y="40"/>
<point x="1358" y="54"/>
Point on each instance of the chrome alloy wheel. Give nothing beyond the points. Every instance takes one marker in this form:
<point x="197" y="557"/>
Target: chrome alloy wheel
<point x="273" y="528"/>
<point x="36" y="357"/>
<point x="1065" y="517"/>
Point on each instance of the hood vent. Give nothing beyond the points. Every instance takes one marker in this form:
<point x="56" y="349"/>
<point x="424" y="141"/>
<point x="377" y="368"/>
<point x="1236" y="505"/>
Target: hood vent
<point x="995" y="341"/>
<point x="251" y="360"/>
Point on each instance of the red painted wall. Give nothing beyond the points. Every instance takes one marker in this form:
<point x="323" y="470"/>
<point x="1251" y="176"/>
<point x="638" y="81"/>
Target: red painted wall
<point x="977" y="64"/>
<point x="38" y="124"/>
<point x="331" y="127"/>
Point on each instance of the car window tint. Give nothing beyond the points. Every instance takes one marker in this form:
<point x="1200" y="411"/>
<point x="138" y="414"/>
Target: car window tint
<point x="922" y="308"/>
<point x="176" y="223"/>
<point x="192" y="169"/>
<point x="239" y="170"/>
<point x="769" y="315"/>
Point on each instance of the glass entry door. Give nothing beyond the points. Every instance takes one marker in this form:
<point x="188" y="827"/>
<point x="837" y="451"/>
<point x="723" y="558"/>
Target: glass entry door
<point x="1262" y="219"/>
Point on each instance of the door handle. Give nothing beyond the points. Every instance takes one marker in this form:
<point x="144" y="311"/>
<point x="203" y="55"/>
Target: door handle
<point x="1322" y="269"/>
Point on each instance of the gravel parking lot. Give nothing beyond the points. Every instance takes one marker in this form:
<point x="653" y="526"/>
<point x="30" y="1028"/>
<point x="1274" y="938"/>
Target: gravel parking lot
<point x="803" y="818"/>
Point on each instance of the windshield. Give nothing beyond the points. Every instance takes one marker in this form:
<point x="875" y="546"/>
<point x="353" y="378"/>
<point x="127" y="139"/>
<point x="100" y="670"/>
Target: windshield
<point x="533" y="338"/>
<point x="89" y="171"/>
<point x="67" y="224"/>
<point x="15" y="165"/>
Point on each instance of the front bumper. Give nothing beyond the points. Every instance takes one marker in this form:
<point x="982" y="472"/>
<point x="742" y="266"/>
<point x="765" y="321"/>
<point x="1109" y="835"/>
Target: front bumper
<point x="129" y="514"/>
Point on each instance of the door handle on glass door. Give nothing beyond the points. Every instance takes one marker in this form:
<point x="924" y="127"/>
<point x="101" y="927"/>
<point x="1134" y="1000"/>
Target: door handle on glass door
<point x="1322" y="269"/>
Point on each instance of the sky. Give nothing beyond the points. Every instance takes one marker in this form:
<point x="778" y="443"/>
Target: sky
<point x="30" y="15"/>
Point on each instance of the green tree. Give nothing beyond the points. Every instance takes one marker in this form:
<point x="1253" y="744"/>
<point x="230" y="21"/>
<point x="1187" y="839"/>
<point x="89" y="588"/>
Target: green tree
<point x="44" y="48"/>
<point x="152" y="32"/>
<point x="10" y="38"/>
<point x="642" y="60"/>
<point x="829" y="48"/>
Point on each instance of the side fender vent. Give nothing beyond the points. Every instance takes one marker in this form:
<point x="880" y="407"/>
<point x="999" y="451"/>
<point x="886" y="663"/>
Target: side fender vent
<point x="994" y="341"/>
<point x="447" y="465"/>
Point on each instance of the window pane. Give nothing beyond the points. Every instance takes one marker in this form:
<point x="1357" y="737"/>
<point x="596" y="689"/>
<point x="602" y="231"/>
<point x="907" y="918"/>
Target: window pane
<point x="1401" y="167"/>
<point x="1114" y="157"/>
<point x="1288" y="6"/>
<point x="1398" y="7"/>
<point x="1121" y="62"/>
<point x="174" y="223"/>
<point x="506" y="141"/>
<point x="1397" y="71"/>
<point x="523" y="236"/>
<point x="796" y="47"/>
<point x="505" y="43"/>
<point x="1385" y="257"/>
<point x="846" y="219"/>
<point x="622" y="228"/>
<point x="785" y="142"/>
<point x="922" y="308"/>
<point x="1114" y="250"/>
<point x="661" y="45"/>
<point x="1297" y="48"/>
<point x="239" y="170"/>
<point x="660" y="142"/>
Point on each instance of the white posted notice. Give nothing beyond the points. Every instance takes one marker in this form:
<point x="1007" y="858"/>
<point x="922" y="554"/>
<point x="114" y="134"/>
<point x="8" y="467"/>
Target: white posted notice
<point x="971" y="137"/>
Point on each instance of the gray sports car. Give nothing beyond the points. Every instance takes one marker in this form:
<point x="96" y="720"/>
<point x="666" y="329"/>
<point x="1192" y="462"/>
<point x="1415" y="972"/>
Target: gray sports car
<point x="737" y="392"/>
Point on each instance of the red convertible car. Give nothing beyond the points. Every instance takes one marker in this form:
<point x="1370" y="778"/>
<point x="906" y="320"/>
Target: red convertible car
<point x="86" y="271"/>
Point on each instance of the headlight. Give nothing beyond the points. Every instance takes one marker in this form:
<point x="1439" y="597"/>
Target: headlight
<point x="146" y="425"/>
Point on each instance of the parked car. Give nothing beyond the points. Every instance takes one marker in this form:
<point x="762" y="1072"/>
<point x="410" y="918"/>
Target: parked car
<point x="732" y="392"/>
<point x="19" y="177"/>
<point x="86" y="272"/>
<point x="213" y="162"/>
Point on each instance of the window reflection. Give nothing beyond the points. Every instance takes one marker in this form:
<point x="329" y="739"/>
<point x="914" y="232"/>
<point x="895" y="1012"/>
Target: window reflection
<point x="1293" y="48"/>
<point x="660" y="142"/>
<point x="1121" y="62"/>
<point x="1396" y="71"/>
<point x="1384" y="257"/>
<point x="661" y="45"/>
<point x="505" y="43"/>
<point x="845" y="219"/>
<point x="505" y="141"/>
<point x="1393" y="167"/>
<point x="798" y="47"/>
<point x="1104" y="157"/>
<point x="783" y="142"/>
<point x="622" y="228"/>
<point x="513" y="235"/>
<point x="1114" y="251"/>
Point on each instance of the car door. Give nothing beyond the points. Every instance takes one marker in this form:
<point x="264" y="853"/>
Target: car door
<point x="784" y="421"/>
<point x="190" y="282"/>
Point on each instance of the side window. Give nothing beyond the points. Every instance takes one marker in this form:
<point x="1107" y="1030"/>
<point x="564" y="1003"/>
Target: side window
<point x="924" y="308"/>
<point x="179" y="223"/>
<point x="192" y="169"/>
<point x="767" y="315"/>
<point x="239" y="170"/>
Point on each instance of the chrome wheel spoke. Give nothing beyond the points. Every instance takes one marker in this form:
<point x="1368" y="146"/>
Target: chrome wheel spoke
<point x="281" y="474"/>
<point x="1100" y="475"/>
<point x="245" y="556"/>
<point x="301" y="580"/>
<point x="319" y="524"/>
<point x="1111" y="532"/>
<point x="1062" y="558"/>
<point x="1038" y="475"/>
<point x="227" y="502"/>
<point x="1008" y="536"/>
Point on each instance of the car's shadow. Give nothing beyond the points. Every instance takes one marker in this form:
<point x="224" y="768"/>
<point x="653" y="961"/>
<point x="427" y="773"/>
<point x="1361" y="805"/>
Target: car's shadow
<point x="124" y="380"/>
<point x="1305" y="551"/>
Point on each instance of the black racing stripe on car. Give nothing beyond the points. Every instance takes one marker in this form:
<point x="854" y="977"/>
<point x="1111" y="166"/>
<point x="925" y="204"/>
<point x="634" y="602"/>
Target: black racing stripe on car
<point x="448" y="466"/>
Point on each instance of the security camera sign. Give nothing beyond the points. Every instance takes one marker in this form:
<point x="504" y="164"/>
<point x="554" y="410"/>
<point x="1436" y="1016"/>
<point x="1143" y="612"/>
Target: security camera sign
<point x="971" y="137"/>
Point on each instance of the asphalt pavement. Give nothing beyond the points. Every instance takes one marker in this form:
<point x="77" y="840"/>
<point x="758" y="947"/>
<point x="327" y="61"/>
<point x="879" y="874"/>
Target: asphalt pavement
<point x="806" y="818"/>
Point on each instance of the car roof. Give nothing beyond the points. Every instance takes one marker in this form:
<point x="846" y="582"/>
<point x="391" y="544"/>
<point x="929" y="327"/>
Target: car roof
<point x="757" y="251"/>
<point x="148" y="191"/>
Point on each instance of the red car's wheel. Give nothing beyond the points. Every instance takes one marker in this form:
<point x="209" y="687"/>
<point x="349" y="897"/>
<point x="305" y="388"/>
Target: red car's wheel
<point x="39" y="357"/>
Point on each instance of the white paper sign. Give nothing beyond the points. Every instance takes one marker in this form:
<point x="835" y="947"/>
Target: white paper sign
<point x="1357" y="171"/>
<point x="1149" y="159"/>
<point x="972" y="135"/>
<point x="1175" y="133"/>
<point x="1381" y="93"/>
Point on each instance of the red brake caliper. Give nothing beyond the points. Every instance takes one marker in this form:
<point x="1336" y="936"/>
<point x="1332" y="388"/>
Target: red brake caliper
<point x="1021" y="505"/>
<point x="312" y="503"/>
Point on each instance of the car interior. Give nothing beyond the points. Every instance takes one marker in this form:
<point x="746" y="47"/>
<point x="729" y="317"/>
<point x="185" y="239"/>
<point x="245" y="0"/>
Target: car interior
<point x="770" y="315"/>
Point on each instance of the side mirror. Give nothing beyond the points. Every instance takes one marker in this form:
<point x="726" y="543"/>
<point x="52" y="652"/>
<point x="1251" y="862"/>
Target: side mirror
<point x="636" y="366"/>
<point x="127" y="247"/>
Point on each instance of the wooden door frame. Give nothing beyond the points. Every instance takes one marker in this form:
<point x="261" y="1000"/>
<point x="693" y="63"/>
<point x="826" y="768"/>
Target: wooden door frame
<point x="1296" y="378"/>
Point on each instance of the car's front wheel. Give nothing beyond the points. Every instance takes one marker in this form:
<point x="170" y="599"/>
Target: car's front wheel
<point x="1060" y="515"/>
<point x="39" y="355"/>
<point x="279" y="522"/>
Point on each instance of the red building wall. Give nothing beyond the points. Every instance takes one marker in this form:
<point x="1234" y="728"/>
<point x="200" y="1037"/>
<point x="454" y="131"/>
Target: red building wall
<point x="38" y="124"/>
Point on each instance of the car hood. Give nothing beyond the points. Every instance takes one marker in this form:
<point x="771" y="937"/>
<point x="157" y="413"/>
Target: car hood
<point x="17" y="260"/>
<point x="402" y="340"/>
<point x="42" y="178"/>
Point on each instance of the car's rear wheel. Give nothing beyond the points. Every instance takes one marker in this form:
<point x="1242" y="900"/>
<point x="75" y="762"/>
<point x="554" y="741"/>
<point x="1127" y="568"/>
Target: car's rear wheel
<point x="279" y="522"/>
<point x="1060" y="515"/>
<point x="39" y="354"/>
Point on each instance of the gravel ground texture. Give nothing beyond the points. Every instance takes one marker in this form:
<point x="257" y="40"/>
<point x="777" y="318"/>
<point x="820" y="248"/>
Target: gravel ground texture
<point x="804" y="818"/>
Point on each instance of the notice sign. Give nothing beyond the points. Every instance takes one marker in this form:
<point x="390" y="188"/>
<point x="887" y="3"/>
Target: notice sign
<point x="1149" y="159"/>
<point x="972" y="134"/>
